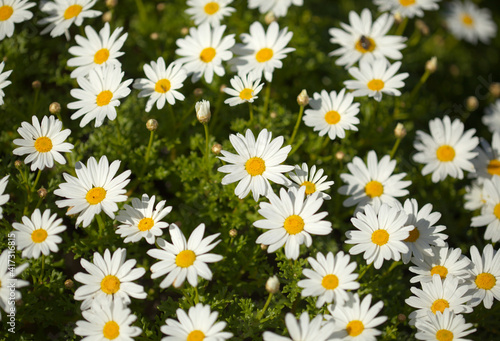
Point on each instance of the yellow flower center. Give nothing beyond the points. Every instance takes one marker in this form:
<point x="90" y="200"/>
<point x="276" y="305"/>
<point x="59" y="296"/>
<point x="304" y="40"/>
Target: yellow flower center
<point x="111" y="330"/>
<point x="211" y="8"/>
<point x="207" y="54"/>
<point x="110" y="284"/>
<point x="162" y="86"/>
<point x="439" y="270"/>
<point x="264" y="55"/>
<point x="95" y="195"/>
<point x="330" y="282"/>
<point x="246" y="94"/>
<point x="494" y="167"/>
<point x="43" y="144"/>
<point x="104" y="98"/>
<point x="445" y="153"/>
<point x="72" y="11"/>
<point x="467" y="20"/>
<point x="294" y="224"/>
<point x="380" y="237"/>
<point x="310" y="187"/>
<point x="146" y="224"/>
<point x="355" y="327"/>
<point x="255" y="166"/>
<point x="439" y="305"/>
<point x="407" y="2"/>
<point x="444" y="335"/>
<point x="365" y="44"/>
<point x="485" y="281"/>
<point x="496" y="211"/>
<point x="374" y="189"/>
<point x="414" y="234"/>
<point x="195" y="335"/>
<point x="185" y="258"/>
<point x="332" y="117"/>
<point x="101" y="56"/>
<point x="376" y="84"/>
<point x="5" y="12"/>
<point x="38" y="236"/>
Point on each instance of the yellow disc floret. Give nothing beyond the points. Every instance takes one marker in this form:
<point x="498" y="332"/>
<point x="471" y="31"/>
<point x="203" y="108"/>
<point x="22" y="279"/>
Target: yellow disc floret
<point x="195" y="335"/>
<point x="439" y="305"/>
<point x="146" y="224"/>
<point x="104" y="98"/>
<point x="110" y="284"/>
<point x="439" y="270"/>
<point x="406" y="3"/>
<point x="39" y="236"/>
<point x="374" y="189"/>
<point x="207" y="54"/>
<point x="185" y="258"/>
<point x="380" y="237"/>
<point x="72" y="11"/>
<point x="162" y="86"/>
<point x="246" y="94"/>
<point x="414" y="235"/>
<point x="355" y="327"/>
<point x="95" y="195"/>
<point x="310" y="187"/>
<point x="111" y="330"/>
<point x="330" y="282"/>
<point x="445" y="153"/>
<point x="43" y="144"/>
<point x="264" y="55"/>
<point x="101" y="56"/>
<point x="444" y="335"/>
<point x="294" y="224"/>
<point x="332" y="117"/>
<point x="6" y="12"/>
<point x="493" y="167"/>
<point x="211" y="8"/>
<point x="255" y="166"/>
<point x="365" y="44"/>
<point x="467" y="20"/>
<point x="376" y="84"/>
<point x="485" y="281"/>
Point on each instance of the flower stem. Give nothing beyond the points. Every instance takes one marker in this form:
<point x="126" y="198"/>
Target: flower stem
<point x="141" y="10"/>
<point x="151" y="137"/>
<point x="207" y="150"/>
<point x="250" y="106"/>
<point x="266" y="98"/>
<point x="100" y="222"/>
<point x="43" y="268"/>
<point x="394" y="148"/>
<point x="421" y="82"/>
<point x="297" y="124"/>
<point x="118" y="133"/>
<point x="401" y="27"/>
<point x="364" y="271"/>
<point x="37" y="178"/>
<point x="196" y="296"/>
<point x="261" y="313"/>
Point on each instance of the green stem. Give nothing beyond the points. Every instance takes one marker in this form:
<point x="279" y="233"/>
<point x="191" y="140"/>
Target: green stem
<point x="172" y="114"/>
<point x="207" y="150"/>
<point x="297" y="124"/>
<point x="141" y="10"/>
<point x="364" y="271"/>
<point x="401" y="27"/>
<point x="118" y="133"/>
<point x="100" y="222"/>
<point x="394" y="148"/>
<point x="37" y="178"/>
<point x="35" y="101"/>
<point x="261" y="313"/>
<point x="151" y="137"/>
<point x="43" y="268"/>
<point x="421" y="82"/>
<point x="266" y="98"/>
<point x="250" y="106"/>
<point x="196" y="296"/>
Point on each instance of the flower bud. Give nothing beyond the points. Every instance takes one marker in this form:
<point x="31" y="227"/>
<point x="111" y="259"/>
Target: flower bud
<point x="42" y="192"/>
<point x="152" y="124"/>
<point x="216" y="148"/>
<point x="302" y="98"/>
<point x="184" y="31"/>
<point x="111" y="3"/>
<point x="471" y="103"/>
<point x="495" y="89"/>
<point x="54" y="108"/>
<point x="401" y="317"/>
<point x="198" y="92"/>
<point x="422" y="27"/>
<point x="233" y="233"/>
<point x="340" y="155"/>
<point x="398" y="18"/>
<point x="400" y="131"/>
<point x="203" y="113"/>
<point x="222" y="88"/>
<point x="36" y="84"/>
<point x="18" y="164"/>
<point x="273" y="285"/>
<point x="107" y="16"/>
<point x="160" y="7"/>
<point x="431" y="65"/>
<point x="68" y="284"/>
<point x="154" y="36"/>
<point x="263" y="247"/>
<point x="269" y="18"/>
<point x="273" y="114"/>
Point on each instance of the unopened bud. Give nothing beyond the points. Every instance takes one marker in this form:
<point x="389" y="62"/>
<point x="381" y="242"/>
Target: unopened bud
<point x="222" y="88"/>
<point x="263" y="247"/>
<point x="398" y="18"/>
<point x="495" y="89"/>
<point x="216" y="148"/>
<point x="198" y="92"/>
<point x="400" y="131"/>
<point x="36" y="84"/>
<point x="340" y="155"/>
<point x="302" y="98"/>
<point x="18" y="164"/>
<point x="431" y="65"/>
<point x="269" y="18"/>
<point x="152" y="124"/>
<point x="233" y="233"/>
<point x="111" y="3"/>
<point x="154" y="36"/>
<point x="273" y="285"/>
<point x="42" y="192"/>
<point x="273" y="114"/>
<point x="54" y="108"/>
<point x="471" y="103"/>
<point x="401" y="317"/>
<point x="68" y="284"/>
<point x="107" y="16"/>
<point x="160" y="7"/>
<point x="422" y="27"/>
<point x="203" y="113"/>
<point x="184" y="31"/>
<point x="454" y="70"/>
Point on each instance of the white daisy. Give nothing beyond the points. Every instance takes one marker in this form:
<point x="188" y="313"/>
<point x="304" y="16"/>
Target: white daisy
<point x="485" y="271"/>
<point x="474" y="196"/>
<point x="375" y="78"/>
<point x="313" y="181"/>
<point x="161" y="84"/>
<point x="262" y="51"/>
<point x="278" y="7"/>
<point x="245" y="89"/>
<point x="13" y="12"/>
<point x="445" y="262"/>
<point x="491" y="118"/>
<point x="303" y="329"/>
<point x="109" y="278"/>
<point x="468" y="22"/>
<point x="381" y="234"/>
<point x="407" y="8"/>
<point x="100" y="93"/>
<point x="256" y="163"/>
<point x="3" y="197"/>
<point x="8" y="281"/>
<point x="96" y="49"/>
<point x="39" y="234"/>
<point x="183" y="259"/>
<point x="198" y="324"/>
<point x="43" y="142"/>
<point x="330" y="278"/>
<point x="443" y="326"/>
<point x="94" y="188"/>
<point x="374" y="183"/>
<point x="63" y="13"/>
<point x="490" y="210"/>
<point x="356" y="320"/>
<point x="142" y="220"/>
<point x="447" y="151"/>
<point x="291" y="220"/>
<point x="366" y="41"/>
<point x="487" y="162"/>
<point x="107" y="321"/>
<point x="332" y="113"/>
<point x="209" y="11"/>
<point x="437" y="296"/>
<point x="3" y="81"/>
<point x="204" y="50"/>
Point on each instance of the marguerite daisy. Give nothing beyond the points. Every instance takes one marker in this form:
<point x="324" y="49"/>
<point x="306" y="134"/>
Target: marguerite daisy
<point x="313" y="181"/>
<point x="303" y="329"/>
<point x="43" y="142"/>
<point x="13" y="12"/>
<point x="94" y="188"/>
<point x="443" y="326"/>
<point x="209" y="11"/>
<point x="490" y="210"/>
<point x="278" y="7"/>
<point x="3" y="81"/>
<point x="491" y="118"/>
<point x="9" y="284"/>
<point x="3" y="197"/>
<point x="474" y="196"/>
<point x="407" y="8"/>
<point x="485" y="276"/>
<point x="245" y="89"/>
<point x="487" y="162"/>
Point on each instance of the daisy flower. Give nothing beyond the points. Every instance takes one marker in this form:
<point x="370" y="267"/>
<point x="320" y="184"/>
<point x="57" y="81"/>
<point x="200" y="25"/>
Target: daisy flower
<point x="303" y="329"/>
<point x="3" y="81"/>
<point x="198" y="324"/>
<point x="380" y="235"/>
<point x="407" y="8"/>
<point x="3" y="197"/>
<point x="485" y="271"/>
<point x="437" y="296"/>
<point x="94" y="188"/>
<point x="356" y="319"/>
<point x="491" y="118"/>
<point x="278" y="7"/>
<point x="468" y="22"/>
<point x="366" y="41"/>
<point x="8" y="281"/>
<point x="209" y="11"/>
<point x="181" y="259"/>
<point x="291" y="220"/>
<point x="110" y="278"/>
<point x="245" y="89"/>
<point x="96" y="49"/>
<point x="43" y="142"/>
<point x="443" y="326"/>
<point x="63" y="13"/>
<point x="445" y="262"/>
<point x="447" y="151"/>
<point x="142" y="220"/>
<point x="490" y="210"/>
<point x="107" y="321"/>
<point x="487" y="162"/>
<point x="330" y="278"/>
<point x="313" y="181"/>
<point x="332" y="113"/>
<point x="256" y="163"/>
<point x="13" y="12"/>
<point x="100" y="93"/>
<point x="161" y="84"/>
<point x="474" y="196"/>
<point x="262" y="51"/>
<point x="204" y="50"/>
<point x="424" y="233"/>
<point x="374" y="79"/>
<point x="373" y="183"/>
<point x="39" y="234"/>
